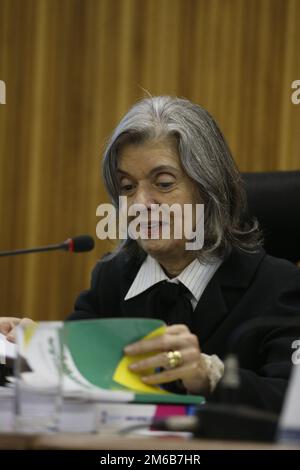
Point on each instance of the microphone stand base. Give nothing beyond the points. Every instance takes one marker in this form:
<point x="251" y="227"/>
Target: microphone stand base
<point x="236" y="422"/>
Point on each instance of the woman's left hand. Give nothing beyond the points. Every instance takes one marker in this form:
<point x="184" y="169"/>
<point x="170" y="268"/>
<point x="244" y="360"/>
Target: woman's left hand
<point x="191" y="370"/>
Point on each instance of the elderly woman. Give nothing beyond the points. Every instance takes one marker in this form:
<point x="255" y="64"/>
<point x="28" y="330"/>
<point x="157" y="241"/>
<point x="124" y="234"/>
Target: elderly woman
<point x="165" y="151"/>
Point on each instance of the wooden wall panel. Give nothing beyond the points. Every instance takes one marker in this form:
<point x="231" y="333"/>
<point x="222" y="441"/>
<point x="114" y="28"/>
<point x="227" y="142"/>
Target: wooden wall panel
<point x="73" y="67"/>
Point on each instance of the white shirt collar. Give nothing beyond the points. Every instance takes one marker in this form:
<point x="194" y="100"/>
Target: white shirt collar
<point x="195" y="277"/>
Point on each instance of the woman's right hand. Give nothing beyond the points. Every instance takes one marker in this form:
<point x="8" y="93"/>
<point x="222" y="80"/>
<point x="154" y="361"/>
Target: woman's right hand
<point x="8" y="326"/>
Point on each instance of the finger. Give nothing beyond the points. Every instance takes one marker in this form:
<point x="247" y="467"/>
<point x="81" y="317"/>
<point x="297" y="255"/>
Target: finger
<point x="184" y="336"/>
<point x="161" y="343"/>
<point x="5" y="327"/>
<point x="11" y="336"/>
<point x="7" y="324"/>
<point x="159" y="360"/>
<point x="166" y="376"/>
<point x="162" y="360"/>
<point x="177" y="329"/>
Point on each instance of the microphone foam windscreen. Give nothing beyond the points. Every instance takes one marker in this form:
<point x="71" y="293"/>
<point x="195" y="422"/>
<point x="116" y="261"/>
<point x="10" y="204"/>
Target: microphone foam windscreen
<point x="83" y="243"/>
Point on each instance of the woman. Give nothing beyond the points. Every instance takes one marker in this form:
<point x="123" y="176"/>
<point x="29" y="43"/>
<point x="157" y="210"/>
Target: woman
<point x="169" y="151"/>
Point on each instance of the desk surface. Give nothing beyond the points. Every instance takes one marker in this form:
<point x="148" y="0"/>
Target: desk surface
<point x="112" y="442"/>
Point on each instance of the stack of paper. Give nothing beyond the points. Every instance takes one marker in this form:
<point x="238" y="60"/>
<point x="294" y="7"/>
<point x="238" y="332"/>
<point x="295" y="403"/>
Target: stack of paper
<point x="96" y="383"/>
<point x="94" y="365"/>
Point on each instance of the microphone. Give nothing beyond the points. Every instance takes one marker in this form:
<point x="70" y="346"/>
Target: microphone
<point x="77" y="244"/>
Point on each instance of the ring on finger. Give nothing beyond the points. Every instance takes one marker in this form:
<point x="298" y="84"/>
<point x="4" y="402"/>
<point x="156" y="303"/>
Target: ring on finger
<point x="174" y="359"/>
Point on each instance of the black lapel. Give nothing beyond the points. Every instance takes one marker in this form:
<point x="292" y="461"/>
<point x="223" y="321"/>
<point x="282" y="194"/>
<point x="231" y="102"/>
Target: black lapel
<point x="210" y="311"/>
<point x="223" y="292"/>
<point x="134" y="307"/>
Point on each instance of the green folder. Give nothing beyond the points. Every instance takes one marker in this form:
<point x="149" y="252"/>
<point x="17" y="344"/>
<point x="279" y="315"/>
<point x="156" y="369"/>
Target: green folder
<point x="97" y="347"/>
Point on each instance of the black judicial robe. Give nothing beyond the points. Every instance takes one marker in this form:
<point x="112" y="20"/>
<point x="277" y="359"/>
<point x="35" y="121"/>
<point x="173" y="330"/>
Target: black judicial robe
<point x="245" y="287"/>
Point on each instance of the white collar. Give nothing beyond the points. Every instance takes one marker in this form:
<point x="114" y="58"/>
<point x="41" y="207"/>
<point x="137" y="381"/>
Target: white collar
<point x="195" y="277"/>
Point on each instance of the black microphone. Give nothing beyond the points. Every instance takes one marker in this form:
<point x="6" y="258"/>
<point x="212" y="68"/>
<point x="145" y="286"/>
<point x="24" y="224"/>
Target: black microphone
<point x="77" y="244"/>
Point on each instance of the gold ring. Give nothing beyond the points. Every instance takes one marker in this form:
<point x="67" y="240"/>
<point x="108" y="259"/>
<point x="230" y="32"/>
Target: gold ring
<point x="174" y="358"/>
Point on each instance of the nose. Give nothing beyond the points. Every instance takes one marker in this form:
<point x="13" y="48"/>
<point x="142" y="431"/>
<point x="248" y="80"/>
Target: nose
<point x="145" y="196"/>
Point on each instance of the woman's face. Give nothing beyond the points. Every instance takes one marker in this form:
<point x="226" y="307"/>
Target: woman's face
<point x="151" y="173"/>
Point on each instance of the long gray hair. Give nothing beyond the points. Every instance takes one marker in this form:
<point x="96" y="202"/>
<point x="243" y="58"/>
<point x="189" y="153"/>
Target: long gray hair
<point x="205" y="158"/>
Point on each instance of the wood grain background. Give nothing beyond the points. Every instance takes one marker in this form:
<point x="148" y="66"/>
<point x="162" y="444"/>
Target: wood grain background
<point x="73" y="67"/>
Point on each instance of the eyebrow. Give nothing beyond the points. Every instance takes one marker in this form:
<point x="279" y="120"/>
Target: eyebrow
<point x="157" y="169"/>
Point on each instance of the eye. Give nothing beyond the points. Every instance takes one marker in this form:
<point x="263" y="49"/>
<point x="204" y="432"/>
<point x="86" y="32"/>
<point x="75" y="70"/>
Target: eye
<point x="164" y="184"/>
<point x="126" y="186"/>
<point x="165" y="181"/>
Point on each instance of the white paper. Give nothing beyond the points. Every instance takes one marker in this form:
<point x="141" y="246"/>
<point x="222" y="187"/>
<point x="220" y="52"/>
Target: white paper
<point x="7" y="349"/>
<point x="289" y="424"/>
<point x="43" y="361"/>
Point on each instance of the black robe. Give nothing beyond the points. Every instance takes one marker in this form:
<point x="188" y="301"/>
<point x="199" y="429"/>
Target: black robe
<point x="245" y="287"/>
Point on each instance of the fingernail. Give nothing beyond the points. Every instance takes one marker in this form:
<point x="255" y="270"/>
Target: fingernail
<point x="133" y="367"/>
<point x="129" y="349"/>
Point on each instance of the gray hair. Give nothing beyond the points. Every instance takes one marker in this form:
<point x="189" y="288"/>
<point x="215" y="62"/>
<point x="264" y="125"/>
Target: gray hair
<point x="205" y="158"/>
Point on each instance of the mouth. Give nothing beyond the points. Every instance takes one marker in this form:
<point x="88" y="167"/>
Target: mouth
<point x="152" y="225"/>
<point x="153" y="229"/>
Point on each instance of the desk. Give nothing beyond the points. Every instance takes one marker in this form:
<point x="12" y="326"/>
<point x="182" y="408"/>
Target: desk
<point x="112" y="442"/>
